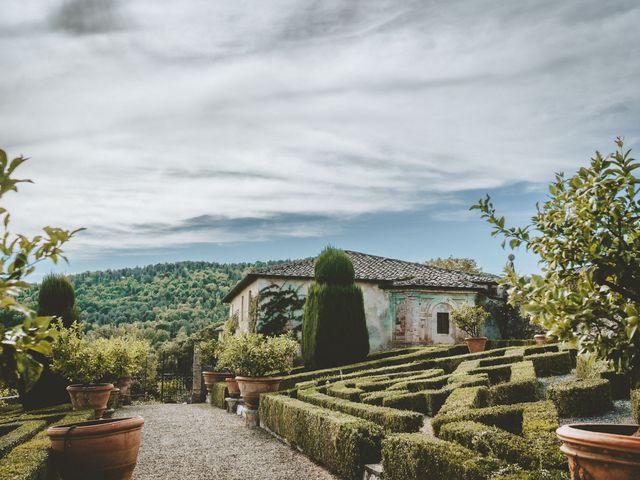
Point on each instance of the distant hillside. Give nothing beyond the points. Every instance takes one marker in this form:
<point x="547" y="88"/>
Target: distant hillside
<point x="174" y="296"/>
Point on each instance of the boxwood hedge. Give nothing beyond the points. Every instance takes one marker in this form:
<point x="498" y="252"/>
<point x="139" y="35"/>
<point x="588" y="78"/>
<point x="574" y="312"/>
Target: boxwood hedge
<point x="581" y="398"/>
<point x="419" y="457"/>
<point x="635" y="404"/>
<point x="391" y="419"/>
<point x="551" y="363"/>
<point x="342" y="443"/>
<point x="218" y="394"/>
<point x="19" y="433"/>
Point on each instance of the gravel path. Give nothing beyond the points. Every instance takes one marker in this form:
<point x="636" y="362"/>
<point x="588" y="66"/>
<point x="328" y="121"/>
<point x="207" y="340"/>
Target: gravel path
<point x="200" y="442"/>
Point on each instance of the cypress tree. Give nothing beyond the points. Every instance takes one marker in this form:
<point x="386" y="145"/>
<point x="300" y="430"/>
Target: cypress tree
<point x="334" y="324"/>
<point x="57" y="298"/>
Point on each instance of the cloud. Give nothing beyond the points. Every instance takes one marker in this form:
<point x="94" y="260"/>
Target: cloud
<point x="163" y="123"/>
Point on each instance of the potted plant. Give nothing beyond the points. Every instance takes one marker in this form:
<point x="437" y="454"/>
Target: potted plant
<point x="255" y="358"/>
<point x="106" y="449"/>
<point x="540" y="338"/>
<point x="125" y="357"/>
<point x="470" y="319"/>
<point x="586" y="235"/>
<point x="84" y="367"/>
<point x="209" y="356"/>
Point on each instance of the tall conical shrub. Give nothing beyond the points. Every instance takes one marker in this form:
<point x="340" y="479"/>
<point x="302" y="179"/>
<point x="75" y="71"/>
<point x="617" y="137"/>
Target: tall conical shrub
<point x="57" y="298"/>
<point x="334" y="330"/>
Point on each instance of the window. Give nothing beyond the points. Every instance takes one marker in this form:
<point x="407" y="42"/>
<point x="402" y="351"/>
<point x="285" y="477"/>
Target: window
<point x="443" y="323"/>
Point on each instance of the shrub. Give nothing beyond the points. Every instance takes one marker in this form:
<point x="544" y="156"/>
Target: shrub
<point x="390" y="419"/>
<point x="581" y="398"/>
<point x="73" y="358"/>
<point x="57" y="298"/>
<point x="255" y="355"/>
<point x="340" y="390"/>
<point x="343" y="444"/>
<point x="521" y="387"/>
<point x="218" y="393"/>
<point x="506" y="417"/>
<point x="490" y="441"/>
<point x="469" y="318"/>
<point x="507" y="359"/>
<point x="334" y="322"/>
<point x="209" y="350"/>
<point x="635" y="404"/>
<point x="620" y="384"/>
<point x="15" y="434"/>
<point x="414" y="456"/>
<point x="551" y="363"/>
<point x="122" y="355"/>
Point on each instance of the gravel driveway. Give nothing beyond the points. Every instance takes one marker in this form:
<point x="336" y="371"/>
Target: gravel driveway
<point x="200" y="442"/>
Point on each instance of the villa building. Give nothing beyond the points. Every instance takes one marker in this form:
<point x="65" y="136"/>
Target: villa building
<point x="406" y="303"/>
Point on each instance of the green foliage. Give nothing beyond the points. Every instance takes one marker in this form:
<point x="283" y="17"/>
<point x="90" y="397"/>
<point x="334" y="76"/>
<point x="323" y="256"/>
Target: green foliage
<point x="18" y="433"/>
<point x="341" y="443"/>
<point x="470" y="318"/>
<point x="467" y="265"/>
<point x="391" y="419"/>
<point x="279" y="307"/>
<point x="160" y="300"/>
<point x="415" y="456"/>
<point x="209" y="351"/>
<point x="511" y="323"/>
<point x="588" y="239"/>
<point x="255" y="355"/>
<point x="334" y="267"/>
<point x="87" y="361"/>
<point x="218" y="393"/>
<point x="635" y="404"/>
<point x="551" y="363"/>
<point x="490" y="441"/>
<point x="56" y="298"/>
<point x="334" y="323"/>
<point x="581" y="398"/>
<point x="521" y="387"/>
<point x="18" y="256"/>
<point x="73" y="359"/>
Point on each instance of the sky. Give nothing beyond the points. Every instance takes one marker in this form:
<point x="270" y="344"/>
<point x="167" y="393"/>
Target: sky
<point x="257" y="130"/>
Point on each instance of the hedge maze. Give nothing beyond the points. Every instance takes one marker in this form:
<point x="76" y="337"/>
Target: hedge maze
<point x="430" y="413"/>
<point x="24" y="445"/>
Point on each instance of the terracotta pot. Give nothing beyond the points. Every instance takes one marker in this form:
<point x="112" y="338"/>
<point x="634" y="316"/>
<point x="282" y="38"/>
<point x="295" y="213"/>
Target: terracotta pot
<point x="541" y="339"/>
<point x="102" y="449"/>
<point x="112" y="404"/>
<point x="252" y="387"/>
<point x="95" y="396"/>
<point x="232" y="387"/>
<point x="212" y="377"/>
<point x="476" y="344"/>
<point x="601" y="451"/>
<point x="124" y="384"/>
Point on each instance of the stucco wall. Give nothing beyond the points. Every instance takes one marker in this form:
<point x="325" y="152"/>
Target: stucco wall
<point x="376" y="304"/>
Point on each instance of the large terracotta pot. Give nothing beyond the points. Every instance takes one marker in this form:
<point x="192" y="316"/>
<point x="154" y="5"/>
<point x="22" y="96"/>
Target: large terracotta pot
<point x="476" y="344"/>
<point x="252" y="387"/>
<point x="98" y="450"/>
<point x="124" y="384"/>
<point x="96" y="397"/>
<point x="233" y="388"/>
<point x="541" y="339"/>
<point x="601" y="451"/>
<point x="212" y="377"/>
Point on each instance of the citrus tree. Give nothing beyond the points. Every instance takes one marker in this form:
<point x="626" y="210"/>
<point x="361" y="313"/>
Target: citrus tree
<point x="587" y="237"/>
<point x="19" y="255"/>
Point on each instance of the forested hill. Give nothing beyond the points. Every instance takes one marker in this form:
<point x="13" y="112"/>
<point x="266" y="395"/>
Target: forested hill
<point x="166" y="297"/>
